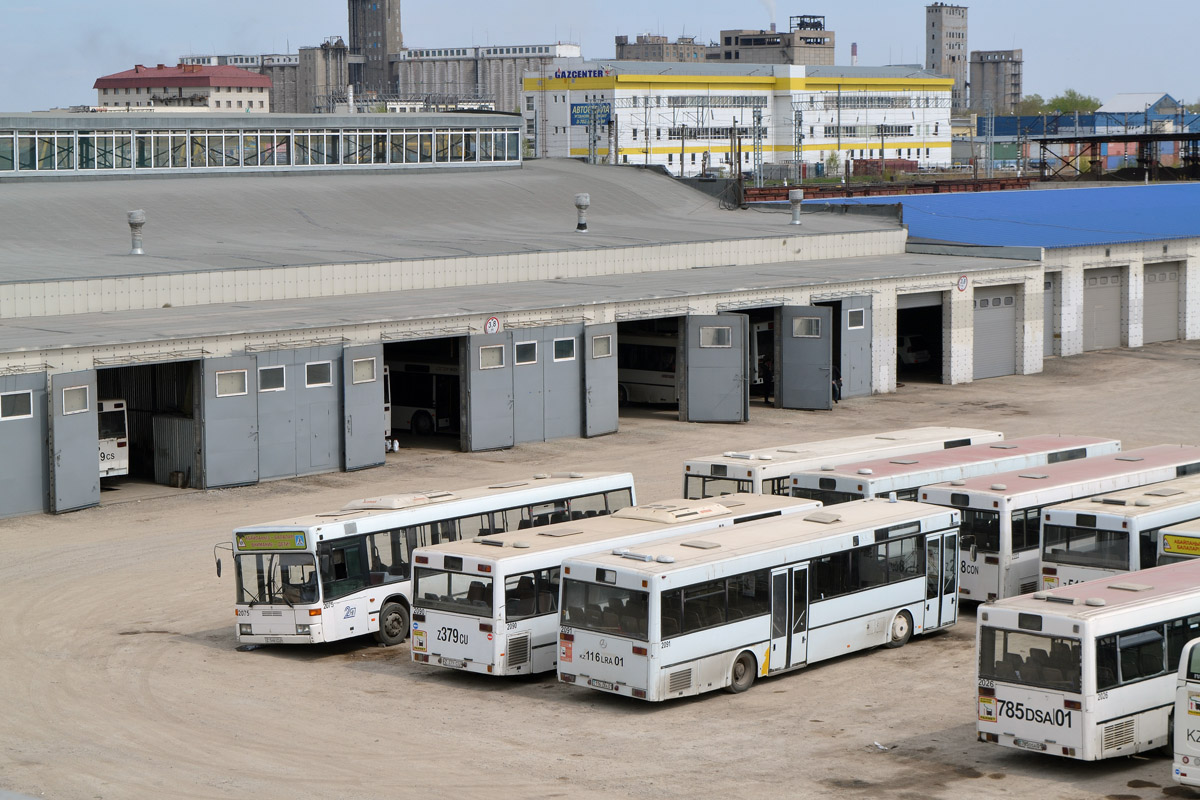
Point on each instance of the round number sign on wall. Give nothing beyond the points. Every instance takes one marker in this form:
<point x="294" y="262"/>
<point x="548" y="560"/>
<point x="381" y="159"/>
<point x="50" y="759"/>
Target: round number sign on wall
<point x="492" y="325"/>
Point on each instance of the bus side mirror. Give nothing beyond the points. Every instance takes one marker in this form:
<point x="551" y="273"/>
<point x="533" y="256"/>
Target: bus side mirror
<point x="218" y="567"/>
<point x="974" y="552"/>
<point x="325" y="564"/>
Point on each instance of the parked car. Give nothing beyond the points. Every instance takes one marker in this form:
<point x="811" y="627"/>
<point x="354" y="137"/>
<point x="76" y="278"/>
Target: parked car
<point x="912" y="350"/>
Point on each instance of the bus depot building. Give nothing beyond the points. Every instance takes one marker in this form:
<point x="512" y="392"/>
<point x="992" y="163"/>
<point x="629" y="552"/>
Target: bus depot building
<point x="289" y="324"/>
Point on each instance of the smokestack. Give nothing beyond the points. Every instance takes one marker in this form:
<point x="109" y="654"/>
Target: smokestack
<point x="772" y="27"/>
<point x="854" y="54"/>
<point x="136" y="220"/>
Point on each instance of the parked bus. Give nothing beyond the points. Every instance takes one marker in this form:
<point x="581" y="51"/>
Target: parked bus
<point x="1086" y="671"/>
<point x="1108" y="534"/>
<point x="689" y="614"/>
<point x="113" y="423"/>
<point x="905" y="474"/>
<point x="646" y="368"/>
<point x="490" y="605"/>
<point x="769" y="471"/>
<point x="1179" y="542"/>
<point x="1002" y="513"/>
<point x="424" y="397"/>
<point x="1186" y="721"/>
<point x="330" y="576"/>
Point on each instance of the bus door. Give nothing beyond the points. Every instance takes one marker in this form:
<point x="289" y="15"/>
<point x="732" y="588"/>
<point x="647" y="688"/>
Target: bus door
<point x="941" y="579"/>
<point x="789" y="617"/>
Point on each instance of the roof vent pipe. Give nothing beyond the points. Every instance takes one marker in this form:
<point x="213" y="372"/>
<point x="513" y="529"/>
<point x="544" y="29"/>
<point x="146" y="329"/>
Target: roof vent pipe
<point x="582" y="201"/>
<point x="136" y="220"/>
<point x="795" y="197"/>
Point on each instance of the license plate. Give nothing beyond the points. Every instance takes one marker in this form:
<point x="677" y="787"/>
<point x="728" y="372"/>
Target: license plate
<point x="601" y="684"/>
<point x="274" y="640"/>
<point x="1028" y="745"/>
<point x="457" y="663"/>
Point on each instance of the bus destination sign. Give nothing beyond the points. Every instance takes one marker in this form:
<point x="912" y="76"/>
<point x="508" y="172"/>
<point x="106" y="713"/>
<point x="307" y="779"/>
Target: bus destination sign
<point x="271" y="540"/>
<point x="1181" y="545"/>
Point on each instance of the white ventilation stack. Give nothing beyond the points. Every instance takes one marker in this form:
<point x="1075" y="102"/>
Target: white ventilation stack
<point x="796" y="198"/>
<point x="136" y="220"/>
<point x="582" y="201"/>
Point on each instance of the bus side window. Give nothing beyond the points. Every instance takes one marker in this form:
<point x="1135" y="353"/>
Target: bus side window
<point x="588" y="506"/>
<point x="618" y="499"/>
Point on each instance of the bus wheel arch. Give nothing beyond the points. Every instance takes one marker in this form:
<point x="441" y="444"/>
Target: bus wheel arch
<point x="742" y="672"/>
<point x="900" y="630"/>
<point x="422" y="424"/>
<point x="622" y="395"/>
<point x="394" y="622"/>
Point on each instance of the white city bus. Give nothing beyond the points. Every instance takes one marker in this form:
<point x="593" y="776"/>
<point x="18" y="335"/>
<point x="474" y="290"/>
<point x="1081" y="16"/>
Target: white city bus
<point x="113" y="424"/>
<point x="646" y="368"/>
<point x="1186" y="727"/>
<point x="343" y="573"/>
<point x="769" y="471"/>
<point x="490" y="605"/>
<point x="1111" y="533"/>
<point x="1086" y="671"/>
<point x="690" y="614"/>
<point x="1002" y="513"/>
<point x="1179" y="542"/>
<point x="424" y="397"/>
<point x="905" y="474"/>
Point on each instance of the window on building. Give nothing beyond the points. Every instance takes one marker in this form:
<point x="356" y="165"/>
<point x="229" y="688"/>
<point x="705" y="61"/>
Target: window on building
<point x="318" y="373"/>
<point x="231" y="383"/>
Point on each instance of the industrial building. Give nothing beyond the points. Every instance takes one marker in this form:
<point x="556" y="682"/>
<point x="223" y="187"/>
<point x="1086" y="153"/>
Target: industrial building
<point x="472" y="74"/>
<point x="805" y="42"/>
<point x="996" y="81"/>
<point x="946" y="46"/>
<point x="649" y="47"/>
<point x="192" y="86"/>
<point x="695" y="119"/>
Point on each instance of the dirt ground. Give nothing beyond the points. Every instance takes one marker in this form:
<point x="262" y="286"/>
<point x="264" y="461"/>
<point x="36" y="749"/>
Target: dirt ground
<point x="120" y="678"/>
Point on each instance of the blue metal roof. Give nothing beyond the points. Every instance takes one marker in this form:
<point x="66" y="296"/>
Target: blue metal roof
<point x="1050" y="217"/>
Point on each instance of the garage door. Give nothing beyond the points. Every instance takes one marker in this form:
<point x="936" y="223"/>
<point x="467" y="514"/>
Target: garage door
<point x="1160" y="317"/>
<point x="995" y="331"/>
<point x="1101" y="309"/>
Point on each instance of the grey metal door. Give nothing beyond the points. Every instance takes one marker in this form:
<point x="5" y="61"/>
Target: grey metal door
<point x="562" y="374"/>
<point x="488" y="392"/>
<point x="529" y="351"/>
<point x="363" y="419"/>
<point x="74" y="441"/>
<point x="717" y="377"/>
<point x="1101" y="308"/>
<point x="856" y="346"/>
<point x="995" y="329"/>
<point x="804" y="344"/>
<point x="229" y="421"/>
<point x="600" y="379"/>
<point x="24" y="481"/>
<point x="1160" y="302"/>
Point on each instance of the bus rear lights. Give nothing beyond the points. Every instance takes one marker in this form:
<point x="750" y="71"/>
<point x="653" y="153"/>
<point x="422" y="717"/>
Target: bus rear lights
<point x="1073" y="704"/>
<point x="566" y="637"/>
<point x="122" y="444"/>
<point x="314" y="612"/>
<point x="1068" y="751"/>
<point x="991" y="559"/>
<point x="1185" y="760"/>
<point x="422" y="559"/>
<point x="986" y="692"/>
<point x="489" y="667"/>
<point x="567" y="570"/>
<point x="486" y="627"/>
<point x="244" y="629"/>
<point x="1049" y="570"/>
<point x="639" y="693"/>
<point x="566" y="677"/>
<point x="421" y="657"/>
<point x="485" y="567"/>
<point x="639" y="651"/>
<point x="989" y="737"/>
<point x="302" y="630"/>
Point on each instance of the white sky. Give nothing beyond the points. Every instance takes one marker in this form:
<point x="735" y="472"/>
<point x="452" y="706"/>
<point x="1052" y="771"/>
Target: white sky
<point x="54" y="51"/>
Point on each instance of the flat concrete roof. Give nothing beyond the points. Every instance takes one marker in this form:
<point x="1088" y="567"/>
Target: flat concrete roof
<point x="170" y="324"/>
<point x="77" y="228"/>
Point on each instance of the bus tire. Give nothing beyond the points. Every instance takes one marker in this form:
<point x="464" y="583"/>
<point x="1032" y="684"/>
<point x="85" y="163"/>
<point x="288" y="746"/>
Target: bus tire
<point x="742" y="673"/>
<point x="422" y="424"/>
<point x="622" y="396"/>
<point x="393" y="624"/>
<point x="1168" y="748"/>
<point x="901" y="631"/>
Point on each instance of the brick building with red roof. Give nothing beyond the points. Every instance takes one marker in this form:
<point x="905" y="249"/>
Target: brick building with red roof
<point x="185" y="86"/>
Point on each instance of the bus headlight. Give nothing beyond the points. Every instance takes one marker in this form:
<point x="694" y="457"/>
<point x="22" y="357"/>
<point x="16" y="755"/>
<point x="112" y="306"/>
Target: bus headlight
<point x="302" y="630"/>
<point x="244" y="629"/>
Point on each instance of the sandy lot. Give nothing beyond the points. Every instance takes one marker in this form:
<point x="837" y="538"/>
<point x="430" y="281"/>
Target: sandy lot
<point x="119" y="676"/>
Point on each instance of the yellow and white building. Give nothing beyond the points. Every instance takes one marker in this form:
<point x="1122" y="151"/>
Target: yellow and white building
<point x="681" y="116"/>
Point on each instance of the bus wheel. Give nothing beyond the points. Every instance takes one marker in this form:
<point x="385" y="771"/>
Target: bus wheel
<point x="422" y="424"/>
<point x="901" y="630"/>
<point x="393" y="624"/>
<point x="741" y="675"/>
<point x="622" y="396"/>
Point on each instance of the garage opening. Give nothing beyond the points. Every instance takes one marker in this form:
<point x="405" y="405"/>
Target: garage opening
<point x="647" y="353"/>
<point x="147" y="425"/>
<point x="919" y="338"/>
<point x="423" y="387"/>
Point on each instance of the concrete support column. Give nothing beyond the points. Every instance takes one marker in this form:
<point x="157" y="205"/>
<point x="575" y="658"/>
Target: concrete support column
<point x="883" y="342"/>
<point x="1030" y="309"/>
<point x="1132" y="303"/>
<point x="1189" y="274"/>
<point x="958" y="336"/>
<point x="1071" y="288"/>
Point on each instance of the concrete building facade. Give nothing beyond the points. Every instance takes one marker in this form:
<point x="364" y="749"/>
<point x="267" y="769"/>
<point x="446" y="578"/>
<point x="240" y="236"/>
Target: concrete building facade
<point x="322" y="76"/>
<point x="187" y="86"/>
<point x="805" y="42"/>
<point x="682" y="117"/>
<point x="648" y="47"/>
<point x="375" y="37"/>
<point x="946" y="46"/>
<point x="996" y="81"/>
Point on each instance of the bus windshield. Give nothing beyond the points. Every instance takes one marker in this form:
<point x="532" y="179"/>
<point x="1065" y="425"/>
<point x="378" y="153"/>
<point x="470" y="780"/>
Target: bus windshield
<point x="1086" y="547"/>
<point x="276" y="578"/>
<point x="606" y="609"/>
<point x="1030" y="659"/>
<point x="112" y="424"/>
<point x="453" y="591"/>
<point x="982" y="529"/>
